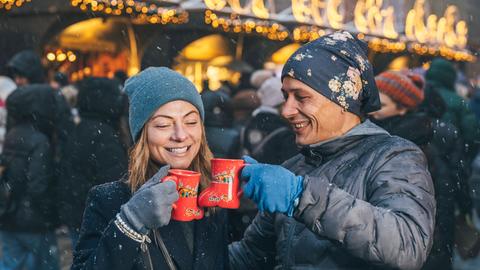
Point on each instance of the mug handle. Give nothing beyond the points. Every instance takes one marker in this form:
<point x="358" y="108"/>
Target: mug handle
<point x="240" y="193"/>
<point x="173" y="179"/>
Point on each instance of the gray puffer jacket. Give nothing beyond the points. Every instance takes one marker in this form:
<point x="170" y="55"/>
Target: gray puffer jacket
<point x="368" y="203"/>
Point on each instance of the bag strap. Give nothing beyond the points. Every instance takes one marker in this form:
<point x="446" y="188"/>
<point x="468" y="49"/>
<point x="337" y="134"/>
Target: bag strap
<point x="163" y="248"/>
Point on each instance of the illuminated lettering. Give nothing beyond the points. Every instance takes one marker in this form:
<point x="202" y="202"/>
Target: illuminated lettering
<point x="335" y="18"/>
<point x="215" y="4"/>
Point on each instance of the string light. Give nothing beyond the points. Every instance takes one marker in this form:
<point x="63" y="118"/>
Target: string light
<point x="61" y="56"/>
<point x="141" y="12"/>
<point x="307" y="33"/>
<point x="383" y="45"/>
<point x="9" y="4"/>
<point x="233" y="23"/>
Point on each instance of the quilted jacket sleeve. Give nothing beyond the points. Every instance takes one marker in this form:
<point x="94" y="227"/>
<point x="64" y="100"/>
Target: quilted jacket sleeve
<point x="257" y="248"/>
<point x="394" y="226"/>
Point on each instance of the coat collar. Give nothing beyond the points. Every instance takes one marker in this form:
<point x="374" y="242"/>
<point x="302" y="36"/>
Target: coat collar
<point x="316" y="154"/>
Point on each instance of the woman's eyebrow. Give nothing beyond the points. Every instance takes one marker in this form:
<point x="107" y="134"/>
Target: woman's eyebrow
<point x="189" y="113"/>
<point x="171" y="117"/>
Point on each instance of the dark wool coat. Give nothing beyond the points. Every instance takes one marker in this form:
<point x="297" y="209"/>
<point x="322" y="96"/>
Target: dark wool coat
<point x="368" y="203"/>
<point x="103" y="246"/>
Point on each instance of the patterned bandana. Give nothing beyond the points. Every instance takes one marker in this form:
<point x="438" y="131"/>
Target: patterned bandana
<point x="337" y="67"/>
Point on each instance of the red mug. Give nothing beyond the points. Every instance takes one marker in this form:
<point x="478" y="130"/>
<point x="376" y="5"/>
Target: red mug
<point x="185" y="209"/>
<point x="224" y="191"/>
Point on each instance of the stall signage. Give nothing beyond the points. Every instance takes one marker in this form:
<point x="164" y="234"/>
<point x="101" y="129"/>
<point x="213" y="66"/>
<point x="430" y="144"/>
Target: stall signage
<point x="373" y="17"/>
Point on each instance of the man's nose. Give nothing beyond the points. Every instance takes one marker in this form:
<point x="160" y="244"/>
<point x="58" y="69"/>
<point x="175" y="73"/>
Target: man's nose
<point x="289" y="107"/>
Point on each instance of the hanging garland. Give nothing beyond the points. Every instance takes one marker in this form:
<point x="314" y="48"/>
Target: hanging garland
<point x="140" y="11"/>
<point x="9" y="4"/>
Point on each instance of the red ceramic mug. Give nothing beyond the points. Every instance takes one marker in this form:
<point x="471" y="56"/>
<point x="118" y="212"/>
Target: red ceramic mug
<point x="224" y="191"/>
<point x="186" y="208"/>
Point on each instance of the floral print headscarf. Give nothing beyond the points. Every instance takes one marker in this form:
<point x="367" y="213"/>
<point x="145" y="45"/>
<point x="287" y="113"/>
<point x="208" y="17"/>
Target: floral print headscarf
<point x="337" y="67"/>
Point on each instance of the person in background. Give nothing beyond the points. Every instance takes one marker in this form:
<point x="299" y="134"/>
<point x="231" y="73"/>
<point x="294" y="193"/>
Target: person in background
<point x="268" y="138"/>
<point x="95" y="153"/>
<point x="26" y="68"/>
<point x="355" y="197"/>
<point x="59" y="81"/>
<point x="441" y="76"/>
<point x="222" y="138"/>
<point x="401" y="93"/>
<point x="6" y="88"/>
<point x="243" y="104"/>
<point x="166" y="122"/>
<point x="28" y="229"/>
<point x="259" y="77"/>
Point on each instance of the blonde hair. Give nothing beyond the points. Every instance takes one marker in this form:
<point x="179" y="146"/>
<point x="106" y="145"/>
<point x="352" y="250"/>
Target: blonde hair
<point x="141" y="167"/>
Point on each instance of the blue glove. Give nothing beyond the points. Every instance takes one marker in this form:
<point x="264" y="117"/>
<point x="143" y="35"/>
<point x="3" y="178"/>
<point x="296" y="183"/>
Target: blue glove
<point x="272" y="187"/>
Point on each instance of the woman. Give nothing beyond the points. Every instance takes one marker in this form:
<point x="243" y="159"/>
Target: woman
<point x="126" y="224"/>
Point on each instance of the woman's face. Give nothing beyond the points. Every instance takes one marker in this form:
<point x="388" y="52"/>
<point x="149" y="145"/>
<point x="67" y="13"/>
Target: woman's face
<point x="174" y="134"/>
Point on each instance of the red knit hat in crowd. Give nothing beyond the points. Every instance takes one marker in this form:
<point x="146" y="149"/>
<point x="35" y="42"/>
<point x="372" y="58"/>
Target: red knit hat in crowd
<point x="404" y="87"/>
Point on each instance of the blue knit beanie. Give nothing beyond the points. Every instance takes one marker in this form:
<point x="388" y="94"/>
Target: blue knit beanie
<point x="153" y="87"/>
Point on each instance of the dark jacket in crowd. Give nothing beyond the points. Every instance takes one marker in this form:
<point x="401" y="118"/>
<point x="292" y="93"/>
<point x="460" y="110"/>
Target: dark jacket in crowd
<point x="420" y="128"/>
<point x="222" y="138"/>
<point x="94" y="153"/>
<point x="103" y="246"/>
<point x="28" y="64"/>
<point x="368" y="203"/>
<point x="28" y="158"/>
<point x="450" y="144"/>
<point x="268" y="138"/>
<point x="441" y="77"/>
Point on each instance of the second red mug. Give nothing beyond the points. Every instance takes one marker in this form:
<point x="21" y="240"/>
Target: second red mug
<point x="224" y="191"/>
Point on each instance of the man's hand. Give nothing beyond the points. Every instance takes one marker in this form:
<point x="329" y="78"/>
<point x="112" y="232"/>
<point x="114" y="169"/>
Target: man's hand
<point x="272" y="187"/>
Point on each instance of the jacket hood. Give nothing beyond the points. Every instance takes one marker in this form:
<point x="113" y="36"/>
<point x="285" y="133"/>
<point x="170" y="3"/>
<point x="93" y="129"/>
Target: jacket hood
<point x="27" y="63"/>
<point x="441" y="73"/>
<point x="218" y="109"/>
<point x="100" y="97"/>
<point x="32" y="104"/>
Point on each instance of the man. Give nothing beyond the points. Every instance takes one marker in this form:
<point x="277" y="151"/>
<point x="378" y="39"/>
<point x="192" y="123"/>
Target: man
<point x="356" y="197"/>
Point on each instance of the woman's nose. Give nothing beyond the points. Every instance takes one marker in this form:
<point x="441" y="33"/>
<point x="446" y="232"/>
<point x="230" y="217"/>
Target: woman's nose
<point x="179" y="133"/>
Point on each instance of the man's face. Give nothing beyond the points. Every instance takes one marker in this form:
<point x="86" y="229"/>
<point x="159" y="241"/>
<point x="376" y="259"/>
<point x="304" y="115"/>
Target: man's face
<point x="389" y="108"/>
<point x="313" y="117"/>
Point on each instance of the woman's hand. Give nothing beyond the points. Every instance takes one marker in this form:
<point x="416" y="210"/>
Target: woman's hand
<point x="272" y="187"/>
<point x="151" y="206"/>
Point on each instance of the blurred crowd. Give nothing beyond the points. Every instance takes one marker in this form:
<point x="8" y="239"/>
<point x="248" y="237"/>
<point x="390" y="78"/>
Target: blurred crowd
<point x="59" y="139"/>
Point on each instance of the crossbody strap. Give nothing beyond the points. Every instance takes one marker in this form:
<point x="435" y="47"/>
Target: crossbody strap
<point x="163" y="248"/>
